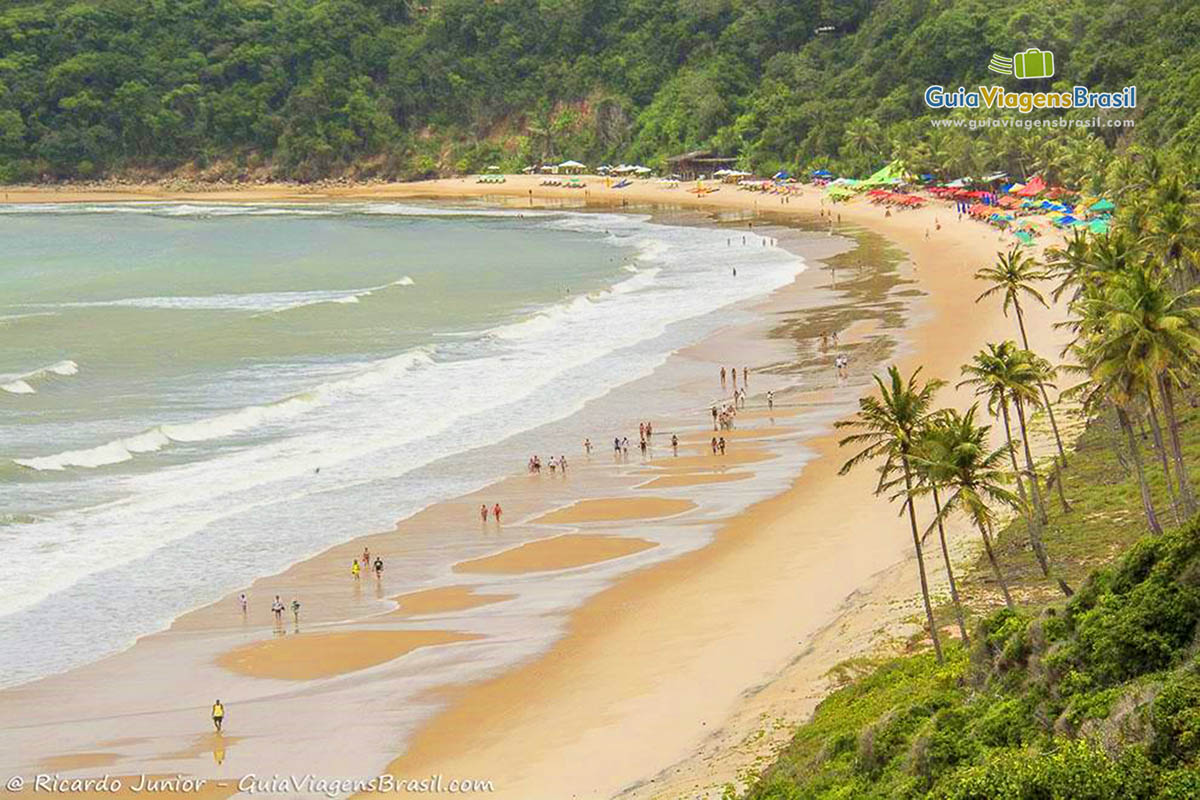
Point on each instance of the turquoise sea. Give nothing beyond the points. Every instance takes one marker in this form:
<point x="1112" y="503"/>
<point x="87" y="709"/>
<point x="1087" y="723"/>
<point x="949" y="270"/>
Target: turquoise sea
<point x="193" y="395"/>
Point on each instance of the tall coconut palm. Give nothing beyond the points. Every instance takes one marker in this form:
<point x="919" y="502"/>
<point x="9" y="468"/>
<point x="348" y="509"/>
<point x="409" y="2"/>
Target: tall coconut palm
<point x="1004" y="373"/>
<point x="1157" y="333"/>
<point x="1014" y="274"/>
<point x="1112" y="378"/>
<point x="931" y="455"/>
<point x="888" y="428"/>
<point x="991" y="373"/>
<point x="973" y="475"/>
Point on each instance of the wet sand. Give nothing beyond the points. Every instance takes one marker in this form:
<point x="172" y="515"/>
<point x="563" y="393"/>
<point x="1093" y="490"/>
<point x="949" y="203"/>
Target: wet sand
<point x="615" y="509"/>
<point x="560" y="552"/>
<point x="444" y="599"/>
<point x="322" y="655"/>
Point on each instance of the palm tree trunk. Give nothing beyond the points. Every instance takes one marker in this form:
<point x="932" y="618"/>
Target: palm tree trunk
<point x="1147" y="500"/>
<point x="1039" y="547"/>
<point x="987" y="548"/>
<point x="1057" y="479"/>
<point x="1156" y="429"/>
<point x="1113" y="432"/>
<point x="1031" y="520"/>
<point x="912" y="520"/>
<point x="958" y="612"/>
<point x="1012" y="451"/>
<point x="1032" y="476"/>
<point x="1062" y="454"/>
<point x="1186" y="495"/>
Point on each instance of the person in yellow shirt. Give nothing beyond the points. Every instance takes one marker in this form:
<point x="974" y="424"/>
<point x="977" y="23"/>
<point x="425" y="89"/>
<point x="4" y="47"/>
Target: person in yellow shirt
<point x="218" y="715"/>
<point x="354" y="569"/>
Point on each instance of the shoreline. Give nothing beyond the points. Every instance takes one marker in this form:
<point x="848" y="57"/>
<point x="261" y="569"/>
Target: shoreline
<point x="721" y="618"/>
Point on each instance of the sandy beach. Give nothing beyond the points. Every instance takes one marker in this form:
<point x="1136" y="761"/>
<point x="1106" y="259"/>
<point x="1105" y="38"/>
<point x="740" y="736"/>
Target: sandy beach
<point x="679" y="675"/>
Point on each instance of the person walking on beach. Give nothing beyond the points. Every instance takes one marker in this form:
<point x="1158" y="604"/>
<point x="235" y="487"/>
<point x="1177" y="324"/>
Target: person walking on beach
<point x="714" y="445"/>
<point x="587" y="446"/>
<point x="354" y="569"/>
<point x="714" y="416"/>
<point x="745" y="376"/>
<point x="296" y="611"/>
<point x="242" y="602"/>
<point x="366" y="556"/>
<point x="721" y="445"/>
<point x="378" y="567"/>
<point x="722" y="376"/>
<point x="277" y="609"/>
<point x="218" y="715"/>
<point x="562" y="464"/>
<point x="625" y="446"/>
<point x="483" y="511"/>
<point x="496" y="512"/>
<point x="674" y="444"/>
<point x="770" y="400"/>
<point x="733" y="374"/>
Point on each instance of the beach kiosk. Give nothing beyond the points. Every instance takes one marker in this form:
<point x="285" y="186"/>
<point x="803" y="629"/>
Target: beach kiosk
<point x="571" y="168"/>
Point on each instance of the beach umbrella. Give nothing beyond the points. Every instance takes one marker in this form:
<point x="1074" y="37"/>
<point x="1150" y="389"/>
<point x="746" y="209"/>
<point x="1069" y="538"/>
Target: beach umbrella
<point x="1098" y="226"/>
<point x="1102" y="205"/>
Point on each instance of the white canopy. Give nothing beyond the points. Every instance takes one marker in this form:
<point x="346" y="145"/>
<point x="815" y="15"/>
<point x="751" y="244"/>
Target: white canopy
<point x="572" y="165"/>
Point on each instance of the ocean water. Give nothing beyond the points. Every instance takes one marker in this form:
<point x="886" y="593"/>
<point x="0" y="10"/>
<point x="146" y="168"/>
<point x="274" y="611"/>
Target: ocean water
<point x="173" y="376"/>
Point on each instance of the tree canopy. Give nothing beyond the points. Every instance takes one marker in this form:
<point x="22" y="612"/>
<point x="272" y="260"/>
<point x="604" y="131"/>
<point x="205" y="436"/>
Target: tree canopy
<point x="312" y="88"/>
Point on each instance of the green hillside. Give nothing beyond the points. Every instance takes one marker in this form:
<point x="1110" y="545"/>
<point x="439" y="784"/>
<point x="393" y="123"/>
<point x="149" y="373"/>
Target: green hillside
<point x="1097" y="698"/>
<point x="312" y="88"/>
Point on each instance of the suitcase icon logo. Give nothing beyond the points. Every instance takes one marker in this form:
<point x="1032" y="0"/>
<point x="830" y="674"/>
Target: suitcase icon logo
<point x="1033" y="63"/>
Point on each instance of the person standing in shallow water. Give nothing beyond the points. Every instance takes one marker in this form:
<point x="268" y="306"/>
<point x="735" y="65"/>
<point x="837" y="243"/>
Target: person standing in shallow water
<point x="483" y="512"/>
<point x="496" y="511"/>
<point x="218" y="715"/>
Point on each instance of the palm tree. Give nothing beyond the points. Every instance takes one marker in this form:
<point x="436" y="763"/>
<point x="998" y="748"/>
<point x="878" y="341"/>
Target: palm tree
<point x="1003" y="373"/>
<point x="974" y="476"/>
<point x="863" y="137"/>
<point x="1157" y="333"/>
<point x="888" y="427"/>
<point x="1014" y="274"/>
<point x="932" y="453"/>
<point x="1115" y="375"/>
<point x="991" y="373"/>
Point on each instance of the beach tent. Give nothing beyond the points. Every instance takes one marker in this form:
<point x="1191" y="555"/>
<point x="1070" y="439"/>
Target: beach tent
<point x="1033" y="188"/>
<point x="1102" y="205"/>
<point x="893" y="173"/>
<point x="571" y="167"/>
<point x="821" y="173"/>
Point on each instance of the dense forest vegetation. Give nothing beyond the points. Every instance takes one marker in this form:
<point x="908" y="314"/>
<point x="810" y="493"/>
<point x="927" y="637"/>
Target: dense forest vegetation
<point x="312" y="88"/>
